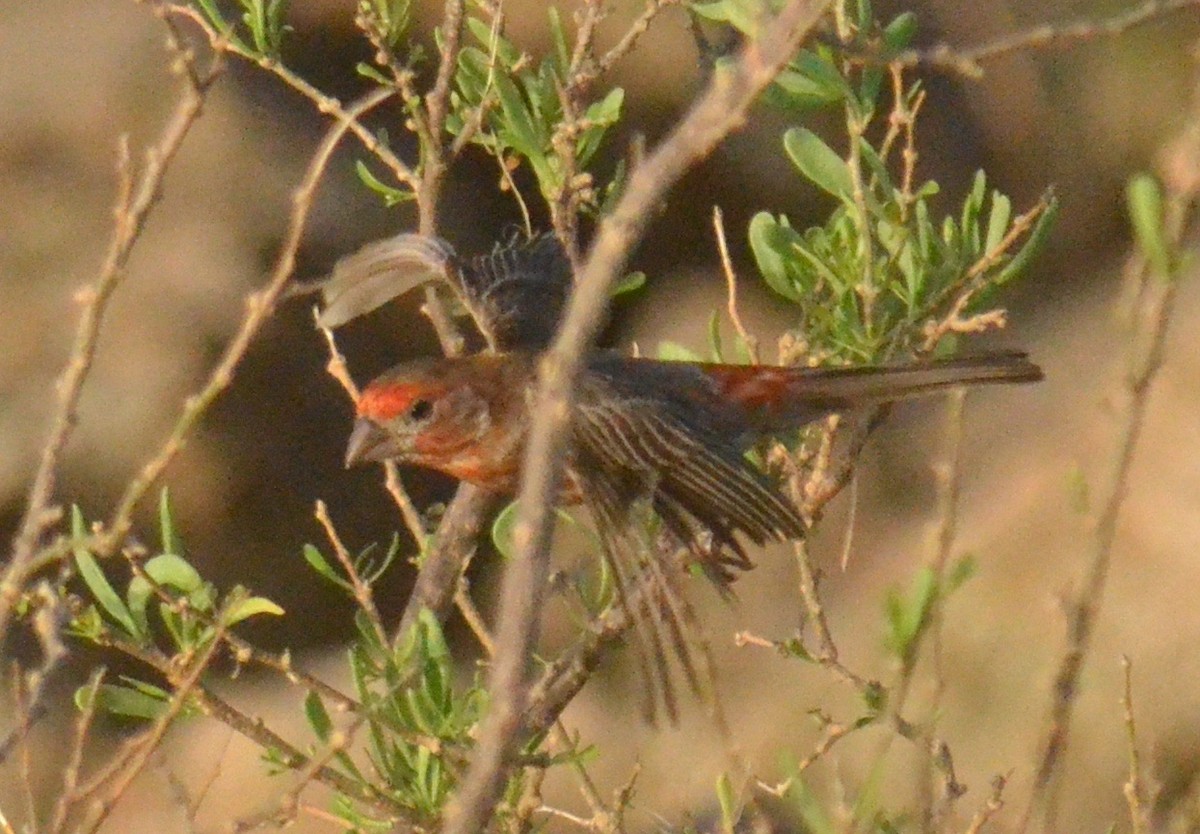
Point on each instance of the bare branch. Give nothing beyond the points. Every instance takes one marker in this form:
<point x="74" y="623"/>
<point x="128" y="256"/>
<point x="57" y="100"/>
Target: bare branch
<point x="259" y="307"/>
<point x="721" y="109"/>
<point x="1058" y="35"/>
<point x="134" y="201"/>
<point x="324" y="104"/>
<point x="1178" y="160"/>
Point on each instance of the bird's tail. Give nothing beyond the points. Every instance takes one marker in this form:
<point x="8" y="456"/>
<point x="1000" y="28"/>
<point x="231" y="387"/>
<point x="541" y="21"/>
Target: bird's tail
<point x="781" y="398"/>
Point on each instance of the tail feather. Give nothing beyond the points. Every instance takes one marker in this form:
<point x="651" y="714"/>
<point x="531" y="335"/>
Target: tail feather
<point x="779" y="398"/>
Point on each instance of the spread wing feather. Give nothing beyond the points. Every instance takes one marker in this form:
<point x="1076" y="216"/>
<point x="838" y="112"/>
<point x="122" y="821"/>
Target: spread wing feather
<point x="515" y="294"/>
<point x="701" y="478"/>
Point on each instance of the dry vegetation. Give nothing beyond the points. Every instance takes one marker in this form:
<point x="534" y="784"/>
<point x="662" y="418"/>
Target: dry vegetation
<point x="979" y="679"/>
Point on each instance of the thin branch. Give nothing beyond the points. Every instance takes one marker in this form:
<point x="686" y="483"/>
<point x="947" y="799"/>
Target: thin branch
<point x="83" y="726"/>
<point x="994" y="804"/>
<point x="290" y="756"/>
<point x="363" y="595"/>
<point x="138" y="755"/>
<point x="721" y="109"/>
<point x="259" y="307"/>
<point x="327" y="105"/>
<point x="1178" y="162"/>
<point x="447" y="557"/>
<point x="731" y="307"/>
<point x="135" y="199"/>
<point x="969" y="61"/>
<point x="336" y="368"/>
<point x="629" y="40"/>
<point x="1135" y="788"/>
<point x="949" y="484"/>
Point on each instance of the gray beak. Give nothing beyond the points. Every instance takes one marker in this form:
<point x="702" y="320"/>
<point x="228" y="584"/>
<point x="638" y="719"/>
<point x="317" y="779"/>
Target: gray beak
<point x="370" y="443"/>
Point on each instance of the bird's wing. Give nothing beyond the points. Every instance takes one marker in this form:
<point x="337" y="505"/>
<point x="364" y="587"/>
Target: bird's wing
<point x="515" y="294"/>
<point x="694" y="473"/>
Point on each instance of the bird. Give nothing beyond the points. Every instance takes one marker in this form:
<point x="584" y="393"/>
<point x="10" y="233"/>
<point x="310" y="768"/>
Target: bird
<point x="648" y="438"/>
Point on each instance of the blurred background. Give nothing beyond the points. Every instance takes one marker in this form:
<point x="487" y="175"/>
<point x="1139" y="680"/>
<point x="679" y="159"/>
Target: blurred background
<point x="75" y="77"/>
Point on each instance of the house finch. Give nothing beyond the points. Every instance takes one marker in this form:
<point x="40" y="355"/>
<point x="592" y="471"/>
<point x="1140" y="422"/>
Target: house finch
<point x="667" y="438"/>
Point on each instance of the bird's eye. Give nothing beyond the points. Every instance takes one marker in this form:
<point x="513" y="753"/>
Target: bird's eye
<point x="420" y="409"/>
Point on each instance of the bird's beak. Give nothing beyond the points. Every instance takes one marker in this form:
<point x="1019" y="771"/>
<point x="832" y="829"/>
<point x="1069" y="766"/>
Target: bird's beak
<point x="370" y="443"/>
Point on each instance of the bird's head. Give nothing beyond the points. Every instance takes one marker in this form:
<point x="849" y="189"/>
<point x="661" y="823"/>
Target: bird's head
<point x="421" y="412"/>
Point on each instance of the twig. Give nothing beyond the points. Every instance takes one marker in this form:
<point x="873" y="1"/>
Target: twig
<point x="22" y="707"/>
<point x="83" y="725"/>
<point x="833" y="734"/>
<point x="324" y="104"/>
<point x="138" y="755"/>
<point x="994" y="804"/>
<point x="288" y="803"/>
<point x="336" y="368"/>
<point x="135" y="199"/>
<point x="731" y="306"/>
<point x="968" y="61"/>
<point x="1135" y="790"/>
<point x="448" y="554"/>
<point x="289" y="756"/>
<point x="721" y="108"/>
<point x="362" y="590"/>
<point x="949" y="483"/>
<point x="259" y="307"/>
<point x="630" y="38"/>
<point x="1178" y="161"/>
<point x="973" y="281"/>
<point x="474" y="620"/>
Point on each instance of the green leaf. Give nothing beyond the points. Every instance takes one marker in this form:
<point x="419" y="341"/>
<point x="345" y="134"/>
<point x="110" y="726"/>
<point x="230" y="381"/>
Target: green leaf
<point x="809" y="81"/>
<point x="960" y="572"/>
<point x="502" y="531"/>
<point x="252" y="607"/>
<point x="318" y="716"/>
<point x="743" y="15"/>
<point x="809" y="807"/>
<point x="818" y="162"/>
<point x="972" y="205"/>
<point x="728" y="803"/>
<point x="522" y="133"/>
<point x="1144" y="198"/>
<point x="632" y="282"/>
<point x="392" y="196"/>
<point x="97" y="583"/>
<point x="875" y="698"/>
<point x="171" y="572"/>
<point x="908" y="614"/>
<point x="602" y="114"/>
<point x="170" y="541"/>
<point x="317" y="562"/>
<point x="558" y="37"/>
<point x="138" y="700"/>
<point x="714" y="336"/>
<point x="675" y="352"/>
<point x="367" y="71"/>
<point x="878" y="169"/>
<point x="998" y="219"/>
<point x="1037" y="239"/>
<point x="899" y="33"/>
<point x="794" y="647"/>
<point x="770" y="240"/>
<point x="506" y="53"/>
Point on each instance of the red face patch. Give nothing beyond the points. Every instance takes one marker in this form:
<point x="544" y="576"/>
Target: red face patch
<point x="385" y="402"/>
